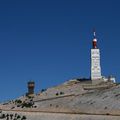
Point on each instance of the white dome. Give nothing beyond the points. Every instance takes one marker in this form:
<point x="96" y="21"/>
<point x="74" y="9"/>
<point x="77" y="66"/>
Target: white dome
<point x="95" y="39"/>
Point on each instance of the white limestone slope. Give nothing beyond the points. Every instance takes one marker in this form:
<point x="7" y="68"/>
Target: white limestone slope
<point x="72" y="102"/>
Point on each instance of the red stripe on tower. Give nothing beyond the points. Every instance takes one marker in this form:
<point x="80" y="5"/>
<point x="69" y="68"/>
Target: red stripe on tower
<point x="94" y="42"/>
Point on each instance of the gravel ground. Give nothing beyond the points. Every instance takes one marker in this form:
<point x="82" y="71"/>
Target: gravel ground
<point x="59" y="116"/>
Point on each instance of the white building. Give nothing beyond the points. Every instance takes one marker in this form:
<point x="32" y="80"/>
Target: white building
<point x="95" y="64"/>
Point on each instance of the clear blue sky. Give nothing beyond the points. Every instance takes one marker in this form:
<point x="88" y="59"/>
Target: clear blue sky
<point x="49" y="41"/>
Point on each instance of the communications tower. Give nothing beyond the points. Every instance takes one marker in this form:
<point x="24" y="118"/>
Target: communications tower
<point x="95" y="60"/>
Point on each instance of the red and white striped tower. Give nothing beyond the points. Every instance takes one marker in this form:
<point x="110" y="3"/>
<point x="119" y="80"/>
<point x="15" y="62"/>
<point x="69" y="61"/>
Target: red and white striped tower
<point x="94" y="41"/>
